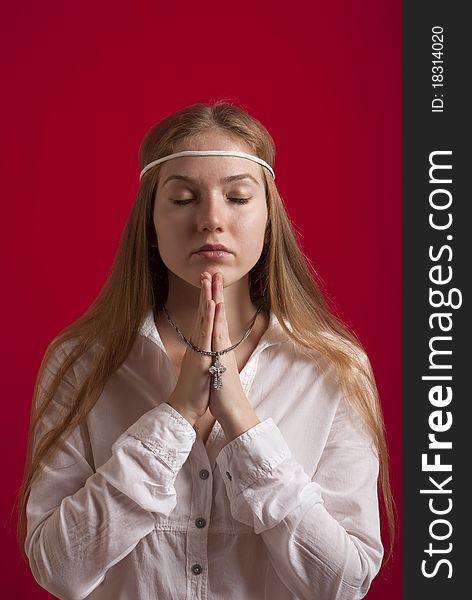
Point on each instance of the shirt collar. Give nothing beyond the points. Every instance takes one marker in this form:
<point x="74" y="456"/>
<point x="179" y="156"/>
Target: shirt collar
<point x="274" y="334"/>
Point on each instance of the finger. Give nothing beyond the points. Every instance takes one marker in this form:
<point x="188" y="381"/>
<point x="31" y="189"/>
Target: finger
<point x="203" y="328"/>
<point x="217" y="287"/>
<point x="222" y="322"/>
<point x="198" y="320"/>
<point x="200" y="300"/>
<point x="220" y="338"/>
<point x="208" y="316"/>
<point x="206" y="275"/>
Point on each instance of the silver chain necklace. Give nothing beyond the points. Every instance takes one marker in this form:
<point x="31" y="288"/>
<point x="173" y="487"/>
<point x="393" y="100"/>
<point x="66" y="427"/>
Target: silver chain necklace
<point x="216" y="369"/>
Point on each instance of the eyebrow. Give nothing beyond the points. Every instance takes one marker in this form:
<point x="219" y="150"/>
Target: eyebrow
<point x="223" y="180"/>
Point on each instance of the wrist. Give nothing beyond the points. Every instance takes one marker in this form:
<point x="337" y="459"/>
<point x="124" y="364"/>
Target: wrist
<point x="188" y="415"/>
<point x="236" y="423"/>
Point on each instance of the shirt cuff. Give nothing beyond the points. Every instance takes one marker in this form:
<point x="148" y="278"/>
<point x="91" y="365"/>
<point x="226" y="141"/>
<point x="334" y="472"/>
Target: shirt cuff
<point x="148" y="456"/>
<point x="251" y="456"/>
<point x="265" y="484"/>
<point x="165" y="433"/>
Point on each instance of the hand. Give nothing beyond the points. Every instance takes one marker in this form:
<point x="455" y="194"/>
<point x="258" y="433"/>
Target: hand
<point x="192" y="391"/>
<point x="228" y="404"/>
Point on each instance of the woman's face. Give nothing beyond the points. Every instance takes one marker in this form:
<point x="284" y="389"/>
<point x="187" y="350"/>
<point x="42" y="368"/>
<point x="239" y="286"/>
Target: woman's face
<point x="210" y="200"/>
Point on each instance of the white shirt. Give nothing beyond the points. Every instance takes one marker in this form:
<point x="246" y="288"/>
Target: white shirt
<point x="136" y="507"/>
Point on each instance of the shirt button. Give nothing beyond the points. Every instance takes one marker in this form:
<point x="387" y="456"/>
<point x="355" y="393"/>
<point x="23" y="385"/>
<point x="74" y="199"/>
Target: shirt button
<point x="228" y="475"/>
<point x="196" y="569"/>
<point x="204" y="474"/>
<point x="200" y="522"/>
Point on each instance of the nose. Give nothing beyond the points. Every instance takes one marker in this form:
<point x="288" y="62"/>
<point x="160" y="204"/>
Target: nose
<point x="211" y="212"/>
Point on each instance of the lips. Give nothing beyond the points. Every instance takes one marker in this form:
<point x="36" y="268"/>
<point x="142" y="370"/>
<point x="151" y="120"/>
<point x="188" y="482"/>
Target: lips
<point x="210" y="247"/>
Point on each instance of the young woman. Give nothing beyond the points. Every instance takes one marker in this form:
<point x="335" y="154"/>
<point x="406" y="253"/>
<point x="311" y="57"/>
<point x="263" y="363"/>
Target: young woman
<point x="207" y="429"/>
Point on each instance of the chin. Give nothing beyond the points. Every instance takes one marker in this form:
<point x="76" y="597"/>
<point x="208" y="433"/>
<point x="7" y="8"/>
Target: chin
<point x="192" y="276"/>
<point x="228" y="277"/>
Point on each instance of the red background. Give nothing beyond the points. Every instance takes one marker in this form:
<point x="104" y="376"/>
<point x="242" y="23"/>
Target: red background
<point x="84" y="81"/>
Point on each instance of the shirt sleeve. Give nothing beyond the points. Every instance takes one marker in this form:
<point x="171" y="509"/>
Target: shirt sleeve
<point x="323" y="533"/>
<point x="81" y="521"/>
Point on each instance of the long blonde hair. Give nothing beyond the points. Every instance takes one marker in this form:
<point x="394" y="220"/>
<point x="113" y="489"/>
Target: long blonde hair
<point x="282" y="280"/>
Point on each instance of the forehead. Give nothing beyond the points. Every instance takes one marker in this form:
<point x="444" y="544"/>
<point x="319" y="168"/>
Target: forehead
<point x="211" y="169"/>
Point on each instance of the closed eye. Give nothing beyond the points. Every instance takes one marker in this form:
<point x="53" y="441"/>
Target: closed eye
<point x="183" y="201"/>
<point x="236" y="200"/>
<point x="240" y="200"/>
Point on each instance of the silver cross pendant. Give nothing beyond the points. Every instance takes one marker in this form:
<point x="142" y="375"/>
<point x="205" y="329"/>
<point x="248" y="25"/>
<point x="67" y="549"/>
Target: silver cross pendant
<point x="216" y="370"/>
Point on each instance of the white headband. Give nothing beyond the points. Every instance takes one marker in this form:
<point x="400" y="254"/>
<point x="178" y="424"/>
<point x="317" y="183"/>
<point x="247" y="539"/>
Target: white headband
<point x="206" y="153"/>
